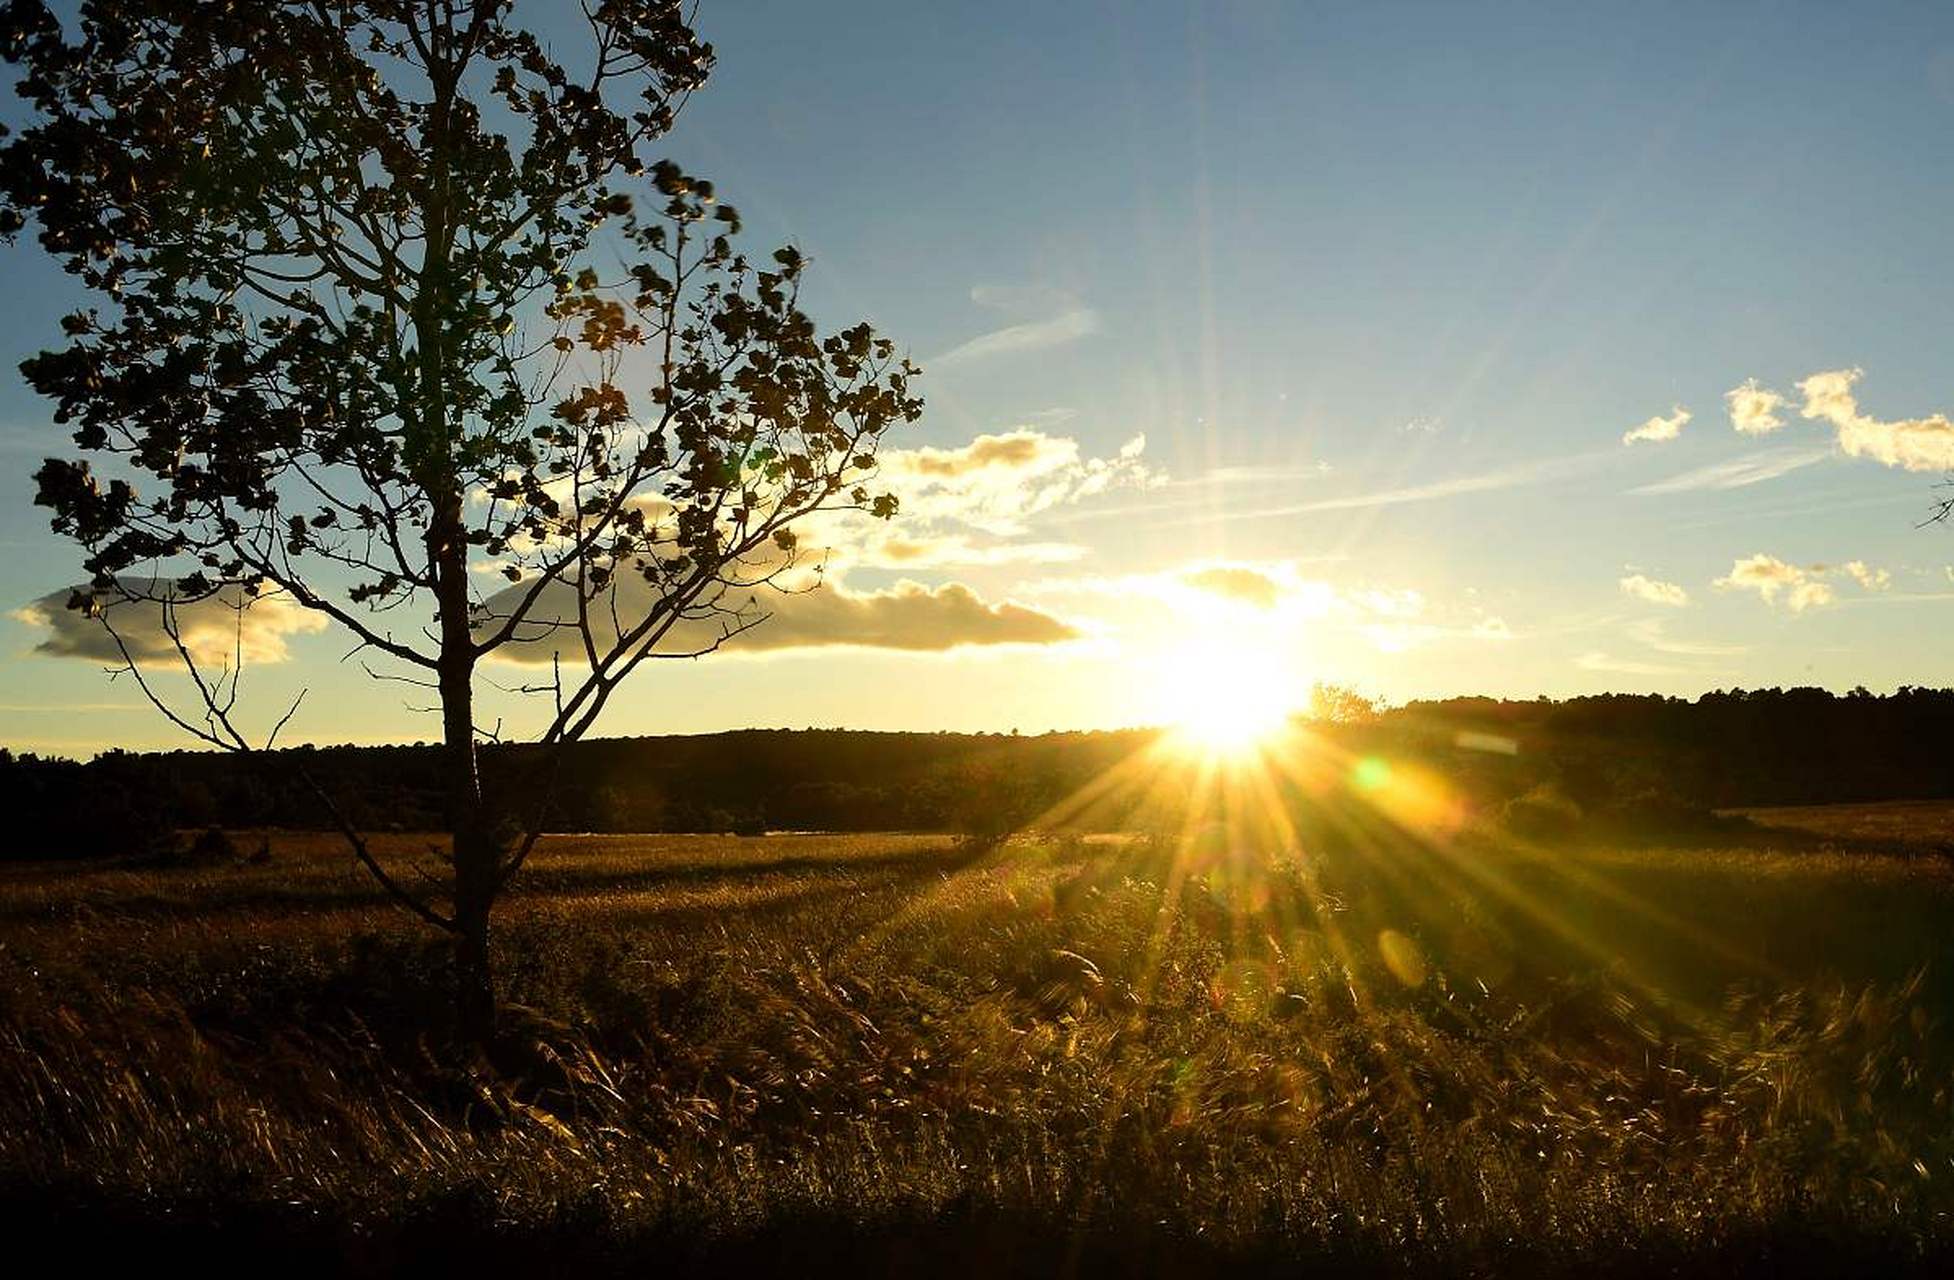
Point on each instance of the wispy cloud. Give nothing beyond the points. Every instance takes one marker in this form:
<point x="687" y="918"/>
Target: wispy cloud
<point x="1050" y="318"/>
<point x="1513" y="477"/>
<point x="1653" y="633"/>
<point x="1603" y="662"/>
<point x="1259" y="594"/>
<point x="1736" y="473"/>
<point x="1903" y="597"/>
<point x="1248" y="475"/>
<point x="1658" y="428"/>
<point x="66" y="708"/>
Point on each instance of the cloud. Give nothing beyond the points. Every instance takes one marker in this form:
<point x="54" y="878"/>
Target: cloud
<point x="1914" y="444"/>
<point x="215" y="630"/>
<point x="968" y="504"/>
<point x="1538" y="471"/>
<point x="1256" y="474"/>
<point x="997" y="483"/>
<point x="1650" y="631"/>
<point x="1598" y="661"/>
<point x="1753" y="408"/>
<point x="1063" y="320"/>
<point x="1770" y="577"/>
<point x="1400" y="637"/>
<point x="908" y="616"/>
<point x="1803" y="588"/>
<point x="1195" y="589"/>
<point x="1023" y="451"/>
<point x="1653" y="591"/>
<point x="926" y="552"/>
<point x="1236" y="582"/>
<point x="1658" y="428"/>
<point x="66" y="708"/>
<point x="1393" y="620"/>
<point x="1870" y="579"/>
<point x="1736" y="473"/>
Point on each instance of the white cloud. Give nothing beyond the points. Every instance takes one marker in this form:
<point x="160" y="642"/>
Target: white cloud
<point x="1771" y="577"/>
<point x="997" y="483"/>
<point x="1056" y="318"/>
<point x="1802" y="588"/>
<point x="1869" y="578"/>
<point x="1754" y="408"/>
<point x="215" y="630"/>
<point x="1913" y="444"/>
<point x="969" y="505"/>
<point x="1658" y="429"/>
<point x="1736" y="473"/>
<point x="1654" y="591"/>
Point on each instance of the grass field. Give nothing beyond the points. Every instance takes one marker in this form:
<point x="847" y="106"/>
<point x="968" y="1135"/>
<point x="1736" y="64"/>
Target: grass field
<point x="877" y="1054"/>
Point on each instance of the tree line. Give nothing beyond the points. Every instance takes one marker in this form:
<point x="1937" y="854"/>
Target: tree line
<point x="1626" y="758"/>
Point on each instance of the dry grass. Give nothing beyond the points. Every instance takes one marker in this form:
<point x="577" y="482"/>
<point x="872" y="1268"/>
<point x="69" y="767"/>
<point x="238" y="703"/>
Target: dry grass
<point x="1917" y="825"/>
<point x="1152" y="1053"/>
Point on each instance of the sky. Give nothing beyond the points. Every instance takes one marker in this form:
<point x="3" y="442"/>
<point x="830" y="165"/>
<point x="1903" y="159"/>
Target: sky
<point x="1427" y="349"/>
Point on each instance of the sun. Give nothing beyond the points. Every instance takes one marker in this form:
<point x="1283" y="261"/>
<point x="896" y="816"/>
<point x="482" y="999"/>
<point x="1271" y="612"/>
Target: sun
<point x="1225" y="696"/>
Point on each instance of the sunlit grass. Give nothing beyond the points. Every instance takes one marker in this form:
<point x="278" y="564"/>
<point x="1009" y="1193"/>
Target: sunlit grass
<point x="1343" y="1031"/>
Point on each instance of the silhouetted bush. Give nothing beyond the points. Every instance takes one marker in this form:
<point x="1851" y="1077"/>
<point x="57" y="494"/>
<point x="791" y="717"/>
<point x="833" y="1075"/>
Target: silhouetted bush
<point x="1542" y="813"/>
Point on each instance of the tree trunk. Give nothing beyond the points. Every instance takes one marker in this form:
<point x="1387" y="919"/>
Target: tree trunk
<point x="477" y="860"/>
<point x="474" y="973"/>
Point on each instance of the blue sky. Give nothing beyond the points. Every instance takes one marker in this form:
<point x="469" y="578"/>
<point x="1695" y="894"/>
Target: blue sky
<point x="1382" y="286"/>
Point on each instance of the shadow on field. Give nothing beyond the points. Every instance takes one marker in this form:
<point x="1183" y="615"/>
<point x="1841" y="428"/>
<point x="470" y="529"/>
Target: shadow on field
<point x="448" y="1237"/>
<point x="260" y="897"/>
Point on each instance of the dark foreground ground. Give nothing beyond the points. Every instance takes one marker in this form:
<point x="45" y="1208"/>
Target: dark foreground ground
<point x="1384" y="1046"/>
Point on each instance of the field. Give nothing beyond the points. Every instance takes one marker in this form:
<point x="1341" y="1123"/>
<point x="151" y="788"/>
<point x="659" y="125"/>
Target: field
<point x="1045" y="1055"/>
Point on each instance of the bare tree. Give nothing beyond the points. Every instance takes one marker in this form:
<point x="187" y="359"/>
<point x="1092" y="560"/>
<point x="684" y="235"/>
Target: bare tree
<point x="389" y="295"/>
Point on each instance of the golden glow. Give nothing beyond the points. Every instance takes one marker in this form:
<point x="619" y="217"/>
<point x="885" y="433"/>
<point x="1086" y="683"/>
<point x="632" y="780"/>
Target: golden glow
<point x="1225" y="696"/>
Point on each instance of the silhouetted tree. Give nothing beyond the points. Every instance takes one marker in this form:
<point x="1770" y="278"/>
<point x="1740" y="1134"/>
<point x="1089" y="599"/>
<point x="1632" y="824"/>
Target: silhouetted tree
<point x="354" y="344"/>
<point x="1340" y="704"/>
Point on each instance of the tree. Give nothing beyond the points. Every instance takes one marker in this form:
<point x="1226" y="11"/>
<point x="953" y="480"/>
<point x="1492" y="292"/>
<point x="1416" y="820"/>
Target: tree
<point x="356" y="341"/>
<point x="1340" y="704"/>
